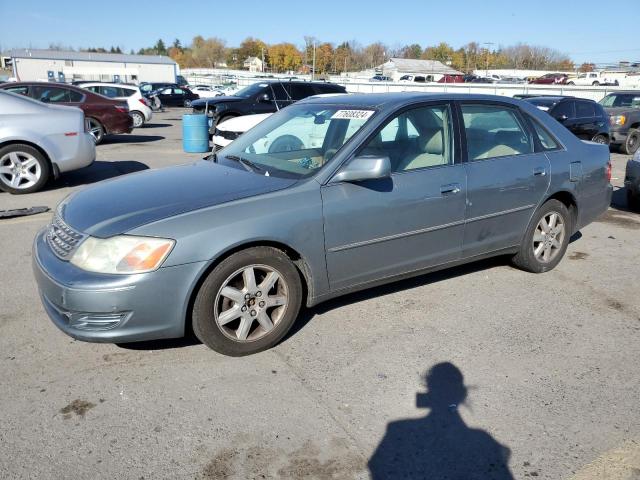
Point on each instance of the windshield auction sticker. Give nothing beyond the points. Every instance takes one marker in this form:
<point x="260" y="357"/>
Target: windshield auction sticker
<point x="352" y="114"/>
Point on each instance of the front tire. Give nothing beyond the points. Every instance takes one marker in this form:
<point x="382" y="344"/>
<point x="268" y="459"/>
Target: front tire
<point x="546" y="239"/>
<point x="186" y="103"/>
<point x="632" y="142"/>
<point x="23" y="169"/>
<point x="248" y="302"/>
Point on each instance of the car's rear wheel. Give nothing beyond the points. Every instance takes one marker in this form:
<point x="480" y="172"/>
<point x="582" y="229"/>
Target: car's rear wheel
<point x="248" y="302"/>
<point x="186" y="103"/>
<point x="632" y="142"/>
<point x="23" y="169"/>
<point x="96" y="130"/>
<point x="546" y="238"/>
<point x="603" y="139"/>
<point x="596" y="84"/>
<point x="571" y="83"/>
<point x="138" y="119"/>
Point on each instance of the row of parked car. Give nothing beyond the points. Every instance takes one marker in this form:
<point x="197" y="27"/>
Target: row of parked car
<point x="594" y="79"/>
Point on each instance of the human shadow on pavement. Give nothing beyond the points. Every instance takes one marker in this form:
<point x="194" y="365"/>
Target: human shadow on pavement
<point x="439" y="445"/>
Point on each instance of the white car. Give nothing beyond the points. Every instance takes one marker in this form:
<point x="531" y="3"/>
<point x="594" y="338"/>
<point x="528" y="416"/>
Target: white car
<point x="39" y="141"/>
<point x="591" y="79"/>
<point x="139" y="107"/>
<point x="227" y="131"/>
<point x="205" y="91"/>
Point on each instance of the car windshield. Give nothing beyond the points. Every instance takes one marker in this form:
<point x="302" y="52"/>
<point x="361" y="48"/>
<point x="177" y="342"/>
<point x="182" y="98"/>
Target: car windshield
<point x="621" y="100"/>
<point x="251" y="90"/>
<point x="298" y="140"/>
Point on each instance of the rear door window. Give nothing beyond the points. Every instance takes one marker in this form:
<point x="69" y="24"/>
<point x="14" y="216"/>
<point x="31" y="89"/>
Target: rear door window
<point x="564" y="108"/>
<point x="111" y="92"/>
<point x="585" y="110"/>
<point x="495" y="131"/>
<point x="75" y="97"/>
<point x="300" y="91"/>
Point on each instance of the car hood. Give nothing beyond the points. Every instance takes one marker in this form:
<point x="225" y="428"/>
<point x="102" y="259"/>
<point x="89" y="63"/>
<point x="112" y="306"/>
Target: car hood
<point x="242" y="123"/>
<point x="214" y="100"/>
<point x="116" y="206"/>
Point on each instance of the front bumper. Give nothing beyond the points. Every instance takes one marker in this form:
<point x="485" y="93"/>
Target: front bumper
<point x="113" y="308"/>
<point x="618" y="134"/>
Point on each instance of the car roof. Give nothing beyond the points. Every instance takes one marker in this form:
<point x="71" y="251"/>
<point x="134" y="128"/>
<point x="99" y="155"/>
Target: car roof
<point x="107" y="84"/>
<point x="44" y="84"/>
<point x="399" y="99"/>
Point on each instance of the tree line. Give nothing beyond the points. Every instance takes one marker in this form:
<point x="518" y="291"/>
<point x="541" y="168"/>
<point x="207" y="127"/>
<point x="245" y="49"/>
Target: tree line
<point x="348" y="56"/>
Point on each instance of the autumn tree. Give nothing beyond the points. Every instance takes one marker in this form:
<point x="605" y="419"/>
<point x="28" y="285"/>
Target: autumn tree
<point x="413" y="51"/>
<point x="284" y="57"/>
<point x="587" y="67"/>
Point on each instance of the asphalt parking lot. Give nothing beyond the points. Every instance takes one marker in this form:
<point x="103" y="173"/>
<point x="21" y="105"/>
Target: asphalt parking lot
<point x="549" y="367"/>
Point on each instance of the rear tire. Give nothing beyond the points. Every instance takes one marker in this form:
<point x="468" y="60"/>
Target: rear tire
<point x="571" y="83"/>
<point x="595" y="84"/>
<point x="138" y="119"/>
<point x="23" y="169"/>
<point x="96" y="130"/>
<point x="248" y="302"/>
<point x="633" y="201"/>
<point x="632" y="142"/>
<point x="186" y="103"/>
<point x="539" y="239"/>
<point x="602" y="139"/>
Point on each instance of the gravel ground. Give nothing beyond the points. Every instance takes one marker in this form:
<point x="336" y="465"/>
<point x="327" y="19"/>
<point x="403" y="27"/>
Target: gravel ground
<point x="541" y="370"/>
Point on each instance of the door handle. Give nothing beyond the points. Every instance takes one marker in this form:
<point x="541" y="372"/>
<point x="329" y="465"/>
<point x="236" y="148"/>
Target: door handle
<point x="450" y="189"/>
<point x="540" y="171"/>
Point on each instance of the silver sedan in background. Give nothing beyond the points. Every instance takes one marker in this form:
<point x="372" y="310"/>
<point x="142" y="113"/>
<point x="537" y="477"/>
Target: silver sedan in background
<point x="39" y="141"/>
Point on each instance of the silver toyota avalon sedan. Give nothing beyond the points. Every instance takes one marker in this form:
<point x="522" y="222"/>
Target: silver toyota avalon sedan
<point x="327" y="196"/>
<point x="40" y="141"/>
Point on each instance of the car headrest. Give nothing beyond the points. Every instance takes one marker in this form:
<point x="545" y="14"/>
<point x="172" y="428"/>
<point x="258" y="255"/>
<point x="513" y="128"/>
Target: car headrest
<point x="432" y="142"/>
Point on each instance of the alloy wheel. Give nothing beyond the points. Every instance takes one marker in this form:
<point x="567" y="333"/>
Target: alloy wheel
<point x="19" y="170"/>
<point x="95" y="129"/>
<point x="548" y="237"/>
<point x="251" y="302"/>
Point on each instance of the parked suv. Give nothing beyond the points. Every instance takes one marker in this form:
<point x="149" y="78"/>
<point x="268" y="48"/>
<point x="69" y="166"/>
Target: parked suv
<point x="623" y="109"/>
<point x="586" y="119"/>
<point x="139" y="108"/>
<point x="262" y="97"/>
<point x="104" y="115"/>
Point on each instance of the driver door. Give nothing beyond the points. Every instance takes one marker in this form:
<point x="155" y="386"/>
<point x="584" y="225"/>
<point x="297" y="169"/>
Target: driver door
<point x="411" y="221"/>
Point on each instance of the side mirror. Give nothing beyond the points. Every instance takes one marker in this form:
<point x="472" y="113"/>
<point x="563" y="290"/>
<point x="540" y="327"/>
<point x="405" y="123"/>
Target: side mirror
<point x="264" y="98"/>
<point x="366" y="167"/>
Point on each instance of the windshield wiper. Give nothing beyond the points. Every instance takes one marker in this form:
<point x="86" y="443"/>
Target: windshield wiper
<point x="247" y="164"/>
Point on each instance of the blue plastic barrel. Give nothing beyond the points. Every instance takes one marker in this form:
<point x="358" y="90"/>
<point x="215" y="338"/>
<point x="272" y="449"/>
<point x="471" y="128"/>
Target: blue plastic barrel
<point x="195" y="133"/>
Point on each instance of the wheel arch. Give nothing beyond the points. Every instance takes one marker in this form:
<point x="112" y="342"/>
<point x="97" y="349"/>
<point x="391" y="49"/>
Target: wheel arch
<point x="44" y="153"/>
<point x="296" y="258"/>
<point x="569" y="200"/>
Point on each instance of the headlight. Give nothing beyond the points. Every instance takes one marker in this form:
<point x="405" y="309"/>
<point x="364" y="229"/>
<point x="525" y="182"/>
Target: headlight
<point x="122" y="254"/>
<point x="617" y="119"/>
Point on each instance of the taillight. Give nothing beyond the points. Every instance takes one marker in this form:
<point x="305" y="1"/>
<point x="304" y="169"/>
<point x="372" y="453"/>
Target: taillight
<point x="607" y="172"/>
<point x="143" y="101"/>
<point x="122" y="109"/>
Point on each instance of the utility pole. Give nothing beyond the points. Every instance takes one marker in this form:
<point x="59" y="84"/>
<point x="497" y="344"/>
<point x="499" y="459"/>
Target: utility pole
<point x="486" y="70"/>
<point x="262" y="64"/>
<point x="313" y="68"/>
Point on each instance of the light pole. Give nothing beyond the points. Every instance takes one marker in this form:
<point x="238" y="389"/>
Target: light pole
<point x="486" y="70"/>
<point x="313" y="68"/>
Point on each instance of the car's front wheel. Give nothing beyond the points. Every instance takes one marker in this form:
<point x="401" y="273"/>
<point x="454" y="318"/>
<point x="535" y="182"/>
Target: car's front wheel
<point x="248" y="302"/>
<point x="632" y="142"/>
<point x="546" y="239"/>
<point x="23" y="169"/>
<point x="186" y="103"/>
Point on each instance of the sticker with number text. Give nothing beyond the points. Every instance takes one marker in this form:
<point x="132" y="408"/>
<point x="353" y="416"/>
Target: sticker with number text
<point x="352" y="114"/>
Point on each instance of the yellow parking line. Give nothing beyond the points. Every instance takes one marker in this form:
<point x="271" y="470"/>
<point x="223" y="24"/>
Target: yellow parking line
<point x="621" y="463"/>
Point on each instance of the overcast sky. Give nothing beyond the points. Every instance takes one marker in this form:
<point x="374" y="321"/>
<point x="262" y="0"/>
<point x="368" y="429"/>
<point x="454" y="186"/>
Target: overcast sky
<point x="587" y="30"/>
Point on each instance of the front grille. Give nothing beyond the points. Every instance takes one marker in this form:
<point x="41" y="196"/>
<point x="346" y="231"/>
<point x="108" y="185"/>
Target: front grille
<point x="62" y="239"/>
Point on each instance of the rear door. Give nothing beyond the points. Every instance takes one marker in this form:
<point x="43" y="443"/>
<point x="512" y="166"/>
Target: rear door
<point x="586" y="120"/>
<point x="506" y="176"/>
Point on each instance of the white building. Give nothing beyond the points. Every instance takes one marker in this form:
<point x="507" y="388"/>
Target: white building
<point x="254" y="64"/>
<point x="432" y="70"/>
<point x="53" y="65"/>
